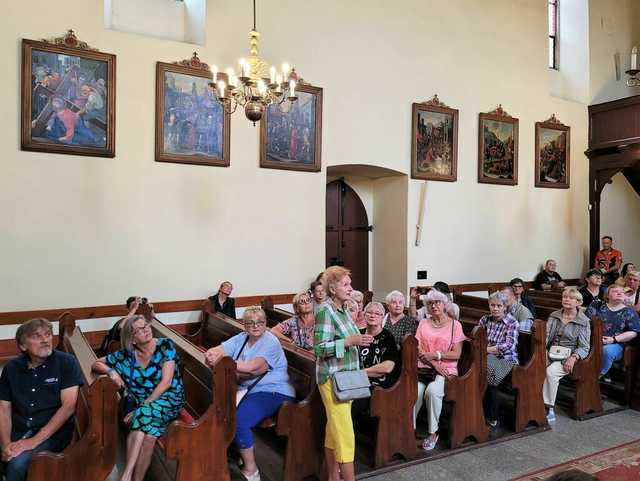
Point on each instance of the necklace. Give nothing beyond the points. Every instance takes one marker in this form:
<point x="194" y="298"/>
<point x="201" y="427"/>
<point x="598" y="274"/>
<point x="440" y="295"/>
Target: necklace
<point x="437" y="325"/>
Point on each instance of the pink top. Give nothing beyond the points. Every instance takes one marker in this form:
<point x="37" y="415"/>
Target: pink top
<point x="432" y="339"/>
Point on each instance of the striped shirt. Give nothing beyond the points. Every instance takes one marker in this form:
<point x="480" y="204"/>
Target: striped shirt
<point x="333" y="326"/>
<point x="502" y="334"/>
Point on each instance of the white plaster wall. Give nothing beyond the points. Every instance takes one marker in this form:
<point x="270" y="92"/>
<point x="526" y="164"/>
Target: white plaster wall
<point x="390" y="235"/>
<point x="155" y="18"/>
<point x="620" y="217"/>
<point x="614" y="28"/>
<point x="90" y="231"/>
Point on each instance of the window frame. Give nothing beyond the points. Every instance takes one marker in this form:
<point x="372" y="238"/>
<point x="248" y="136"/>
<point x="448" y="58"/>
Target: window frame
<point x="553" y="8"/>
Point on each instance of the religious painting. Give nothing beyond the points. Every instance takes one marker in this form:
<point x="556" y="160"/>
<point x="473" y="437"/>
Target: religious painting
<point x="192" y="127"/>
<point x="434" y="141"/>
<point x="291" y="133"/>
<point x="498" y="148"/>
<point x="68" y="97"/>
<point x="552" y="154"/>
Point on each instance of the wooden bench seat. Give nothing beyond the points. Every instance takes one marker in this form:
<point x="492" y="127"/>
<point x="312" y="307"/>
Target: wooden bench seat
<point x="92" y="452"/>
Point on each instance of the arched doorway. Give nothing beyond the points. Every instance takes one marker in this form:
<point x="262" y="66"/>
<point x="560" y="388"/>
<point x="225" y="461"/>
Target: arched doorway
<point x="347" y="233"/>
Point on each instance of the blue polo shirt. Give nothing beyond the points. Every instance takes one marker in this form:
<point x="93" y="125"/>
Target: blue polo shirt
<point x="34" y="393"/>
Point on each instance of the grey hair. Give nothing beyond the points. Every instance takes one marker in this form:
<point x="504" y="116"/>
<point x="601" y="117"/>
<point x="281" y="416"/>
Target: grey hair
<point x="357" y="296"/>
<point x="373" y="304"/>
<point x="498" y="296"/>
<point x="436" y="295"/>
<point x="453" y="310"/>
<point x="394" y="295"/>
<point x="126" y="334"/>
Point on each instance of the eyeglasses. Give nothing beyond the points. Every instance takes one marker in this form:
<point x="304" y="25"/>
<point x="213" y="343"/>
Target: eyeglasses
<point x="375" y="313"/>
<point x="303" y="300"/>
<point x="433" y="303"/>
<point x="254" y="323"/>
<point x="136" y="330"/>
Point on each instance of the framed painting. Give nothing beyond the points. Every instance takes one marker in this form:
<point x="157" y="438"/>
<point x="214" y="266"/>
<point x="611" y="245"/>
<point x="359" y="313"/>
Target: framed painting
<point x="553" y="141"/>
<point x="192" y="127"/>
<point x="434" y="141"/>
<point x="498" y="148"/>
<point x="291" y="138"/>
<point x="68" y="98"/>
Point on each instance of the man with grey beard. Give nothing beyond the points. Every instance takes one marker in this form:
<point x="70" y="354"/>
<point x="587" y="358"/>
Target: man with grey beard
<point x="38" y="393"/>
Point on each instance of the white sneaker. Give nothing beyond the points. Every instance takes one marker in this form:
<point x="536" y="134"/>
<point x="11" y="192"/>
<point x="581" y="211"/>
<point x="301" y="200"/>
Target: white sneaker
<point x="551" y="416"/>
<point x="252" y="477"/>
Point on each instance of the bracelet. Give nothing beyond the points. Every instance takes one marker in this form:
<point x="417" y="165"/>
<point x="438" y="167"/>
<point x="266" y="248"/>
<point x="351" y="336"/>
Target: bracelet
<point x="614" y="340"/>
<point x="439" y="355"/>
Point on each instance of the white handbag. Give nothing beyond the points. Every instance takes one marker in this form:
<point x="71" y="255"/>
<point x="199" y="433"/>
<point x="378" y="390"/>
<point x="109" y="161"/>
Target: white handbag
<point x="559" y="353"/>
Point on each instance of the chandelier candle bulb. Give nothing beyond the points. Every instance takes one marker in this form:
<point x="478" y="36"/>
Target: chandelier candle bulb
<point x="214" y="72"/>
<point x="285" y="70"/>
<point x="292" y="88"/>
<point x="221" y="89"/>
<point x="272" y="75"/>
<point x="634" y="58"/>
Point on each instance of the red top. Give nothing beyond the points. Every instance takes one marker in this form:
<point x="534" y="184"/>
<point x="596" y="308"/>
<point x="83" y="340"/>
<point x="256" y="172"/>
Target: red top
<point x="610" y="258"/>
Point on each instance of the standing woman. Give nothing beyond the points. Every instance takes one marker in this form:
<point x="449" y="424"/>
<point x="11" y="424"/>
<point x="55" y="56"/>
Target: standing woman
<point x="502" y="343"/>
<point x="336" y="346"/>
<point x="148" y="369"/>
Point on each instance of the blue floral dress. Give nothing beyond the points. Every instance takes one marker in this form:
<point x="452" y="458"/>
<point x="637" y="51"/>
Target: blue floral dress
<point x="154" y="417"/>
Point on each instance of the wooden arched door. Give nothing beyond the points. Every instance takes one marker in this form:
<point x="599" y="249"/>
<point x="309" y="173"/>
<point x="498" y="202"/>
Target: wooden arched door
<point x="348" y="233"/>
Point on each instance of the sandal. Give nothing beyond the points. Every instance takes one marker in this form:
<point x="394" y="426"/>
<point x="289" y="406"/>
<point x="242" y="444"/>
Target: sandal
<point x="429" y="444"/>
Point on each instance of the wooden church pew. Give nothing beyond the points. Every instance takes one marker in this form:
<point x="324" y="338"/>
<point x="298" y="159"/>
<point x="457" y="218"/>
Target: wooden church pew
<point x="466" y="391"/>
<point x="528" y="376"/>
<point x="302" y="422"/>
<point x="92" y="453"/>
<point x="274" y="314"/>
<point x="585" y="375"/>
<point x="199" y="447"/>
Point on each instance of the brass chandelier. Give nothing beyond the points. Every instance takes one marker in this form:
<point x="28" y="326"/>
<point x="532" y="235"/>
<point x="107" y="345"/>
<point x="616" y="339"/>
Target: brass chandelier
<point x="257" y="87"/>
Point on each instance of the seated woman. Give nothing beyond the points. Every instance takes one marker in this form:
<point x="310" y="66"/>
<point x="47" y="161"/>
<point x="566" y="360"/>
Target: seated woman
<point x="148" y="369"/>
<point x="548" y="278"/>
<point x="502" y="343"/>
<point x="631" y="284"/>
<point x="318" y="296"/>
<point x="359" y="319"/>
<point x="396" y="321"/>
<point x="569" y="328"/>
<point x="628" y="267"/>
<point x="263" y="380"/>
<point x="440" y="340"/>
<point x="593" y="288"/>
<point x="223" y="302"/>
<point x="299" y="328"/>
<point x="620" y="324"/>
<point x="352" y="308"/>
<point x="380" y="359"/>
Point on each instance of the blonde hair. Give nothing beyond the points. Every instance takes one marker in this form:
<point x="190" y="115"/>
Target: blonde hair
<point x="126" y="334"/>
<point x="254" y="310"/>
<point x="573" y="293"/>
<point x="375" y="304"/>
<point x="332" y="276"/>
